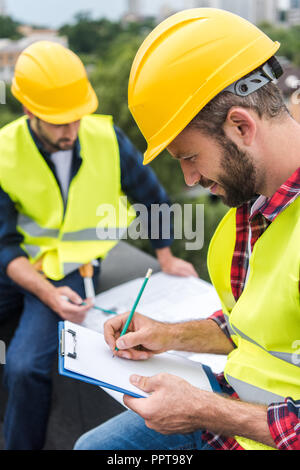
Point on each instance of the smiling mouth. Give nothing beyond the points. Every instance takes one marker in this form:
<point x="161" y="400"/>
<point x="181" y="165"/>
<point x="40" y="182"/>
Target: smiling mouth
<point x="213" y="188"/>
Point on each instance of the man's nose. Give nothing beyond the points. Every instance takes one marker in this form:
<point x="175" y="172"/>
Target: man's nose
<point x="191" y="175"/>
<point x="71" y="130"/>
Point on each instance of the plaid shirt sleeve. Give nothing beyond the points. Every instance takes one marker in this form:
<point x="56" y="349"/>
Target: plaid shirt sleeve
<point x="284" y="424"/>
<point x="141" y="185"/>
<point x="220" y="320"/>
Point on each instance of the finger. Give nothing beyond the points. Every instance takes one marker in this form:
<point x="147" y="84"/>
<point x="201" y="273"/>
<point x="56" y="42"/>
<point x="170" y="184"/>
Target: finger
<point x="134" y="355"/>
<point x="72" y="295"/>
<point x="131" y="340"/>
<point x="193" y="271"/>
<point x="112" y="330"/>
<point x="187" y="270"/>
<point x="135" y="404"/>
<point x="74" y="310"/>
<point x="146" y="384"/>
<point x="71" y="309"/>
<point x="190" y="271"/>
<point x="89" y="303"/>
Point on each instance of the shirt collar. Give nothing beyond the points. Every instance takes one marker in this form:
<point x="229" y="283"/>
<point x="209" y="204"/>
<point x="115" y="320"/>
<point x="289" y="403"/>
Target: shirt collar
<point x="287" y="193"/>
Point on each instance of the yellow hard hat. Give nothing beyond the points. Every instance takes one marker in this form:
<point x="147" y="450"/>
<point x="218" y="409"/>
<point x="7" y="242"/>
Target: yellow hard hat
<point x="184" y="63"/>
<point x="51" y="81"/>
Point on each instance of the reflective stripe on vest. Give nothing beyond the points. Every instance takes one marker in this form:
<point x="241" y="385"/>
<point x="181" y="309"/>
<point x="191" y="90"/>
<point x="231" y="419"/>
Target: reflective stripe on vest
<point x="30" y="227"/>
<point x="265" y="322"/>
<point x="291" y="358"/>
<point x="87" y="229"/>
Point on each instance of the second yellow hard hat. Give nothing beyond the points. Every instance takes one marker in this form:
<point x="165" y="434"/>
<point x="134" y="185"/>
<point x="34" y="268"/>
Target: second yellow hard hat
<point x="51" y="81"/>
<point x="184" y="63"/>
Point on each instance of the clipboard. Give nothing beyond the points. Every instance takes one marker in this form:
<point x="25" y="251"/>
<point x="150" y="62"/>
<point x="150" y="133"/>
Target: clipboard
<point x="70" y="335"/>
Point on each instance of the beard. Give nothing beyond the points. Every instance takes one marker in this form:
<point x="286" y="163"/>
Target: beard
<point x="61" y="144"/>
<point x="239" y="179"/>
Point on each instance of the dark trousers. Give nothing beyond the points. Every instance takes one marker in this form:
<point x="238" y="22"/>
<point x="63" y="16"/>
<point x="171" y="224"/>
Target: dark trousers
<point x="29" y="362"/>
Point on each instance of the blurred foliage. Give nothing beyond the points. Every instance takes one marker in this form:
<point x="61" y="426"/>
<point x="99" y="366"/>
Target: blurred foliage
<point x="289" y="39"/>
<point x="89" y="36"/>
<point x="214" y="211"/>
<point x="8" y="28"/>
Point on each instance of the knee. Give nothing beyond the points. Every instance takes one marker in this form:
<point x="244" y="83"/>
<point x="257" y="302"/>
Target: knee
<point x="17" y="369"/>
<point x="85" y="442"/>
<point x="100" y="438"/>
<point x="22" y="369"/>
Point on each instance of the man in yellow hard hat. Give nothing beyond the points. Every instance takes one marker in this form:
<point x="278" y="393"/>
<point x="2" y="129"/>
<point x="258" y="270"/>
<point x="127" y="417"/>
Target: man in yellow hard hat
<point x="61" y="167"/>
<point x="202" y="86"/>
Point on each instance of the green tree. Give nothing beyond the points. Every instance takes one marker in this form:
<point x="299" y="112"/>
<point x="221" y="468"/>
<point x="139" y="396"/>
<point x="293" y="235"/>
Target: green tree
<point x="8" y="28"/>
<point x="289" y="39"/>
<point x="96" y="37"/>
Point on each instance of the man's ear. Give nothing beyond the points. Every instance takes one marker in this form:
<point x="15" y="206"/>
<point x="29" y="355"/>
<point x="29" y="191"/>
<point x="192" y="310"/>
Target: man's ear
<point x="28" y="113"/>
<point x="240" y="126"/>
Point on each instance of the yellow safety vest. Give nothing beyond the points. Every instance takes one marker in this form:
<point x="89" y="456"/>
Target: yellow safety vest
<point x="97" y="212"/>
<point x="265" y="321"/>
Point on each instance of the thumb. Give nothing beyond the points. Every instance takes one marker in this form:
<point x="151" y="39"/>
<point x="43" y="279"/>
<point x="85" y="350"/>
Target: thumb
<point x="147" y="384"/>
<point x="130" y="340"/>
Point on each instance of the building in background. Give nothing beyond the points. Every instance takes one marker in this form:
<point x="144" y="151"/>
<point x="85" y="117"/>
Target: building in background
<point x="256" y="11"/>
<point x="293" y="13"/>
<point x="134" y="7"/>
<point x="202" y="4"/>
<point x="2" y="8"/>
<point x="134" y="11"/>
<point x="11" y="49"/>
<point x="165" y="11"/>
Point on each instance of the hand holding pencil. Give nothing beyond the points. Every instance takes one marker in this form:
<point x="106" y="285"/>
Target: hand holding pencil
<point x="136" y="337"/>
<point x="144" y="338"/>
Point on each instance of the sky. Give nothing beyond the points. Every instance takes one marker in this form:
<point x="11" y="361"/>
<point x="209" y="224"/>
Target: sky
<point x="54" y="13"/>
<point x="57" y="12"/>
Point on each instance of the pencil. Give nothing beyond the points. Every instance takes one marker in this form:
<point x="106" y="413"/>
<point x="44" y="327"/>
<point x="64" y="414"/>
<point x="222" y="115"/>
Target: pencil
<point x="129" y="319"/>
<point x="110" y="312"/>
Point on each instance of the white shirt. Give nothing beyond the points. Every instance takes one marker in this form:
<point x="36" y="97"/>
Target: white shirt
<point x="63" y="161"/>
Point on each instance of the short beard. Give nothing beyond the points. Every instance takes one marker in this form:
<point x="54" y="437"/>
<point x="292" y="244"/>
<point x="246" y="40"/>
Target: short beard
<point x="240" y="177"/>
<point x="54" y="146"/>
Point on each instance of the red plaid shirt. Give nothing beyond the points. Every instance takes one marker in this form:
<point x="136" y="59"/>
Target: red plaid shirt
<point x="283" y="418"/>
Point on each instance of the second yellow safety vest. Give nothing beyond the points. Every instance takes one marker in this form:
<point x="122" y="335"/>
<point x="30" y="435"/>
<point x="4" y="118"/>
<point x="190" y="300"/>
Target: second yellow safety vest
<point x="265" y="321"/>
<point x="97" y="212"/>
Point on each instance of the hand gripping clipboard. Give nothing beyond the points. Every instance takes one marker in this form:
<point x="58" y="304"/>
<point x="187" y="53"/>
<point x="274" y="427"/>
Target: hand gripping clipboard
<point x="84" y="356"/>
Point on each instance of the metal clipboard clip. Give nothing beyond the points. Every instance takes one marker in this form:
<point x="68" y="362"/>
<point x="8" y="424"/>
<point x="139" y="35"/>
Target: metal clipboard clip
<point x="72" y="355"/>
